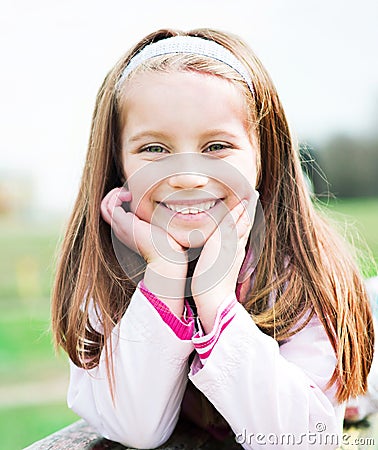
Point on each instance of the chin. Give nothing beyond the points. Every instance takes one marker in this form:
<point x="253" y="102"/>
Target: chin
<point x="193" y="239"/>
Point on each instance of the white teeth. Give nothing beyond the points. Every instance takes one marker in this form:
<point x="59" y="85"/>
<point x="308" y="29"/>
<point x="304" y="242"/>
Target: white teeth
<point x="192" y="209"/>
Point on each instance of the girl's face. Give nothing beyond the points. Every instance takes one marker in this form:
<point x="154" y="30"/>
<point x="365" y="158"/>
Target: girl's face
<point x="187" y="116"/>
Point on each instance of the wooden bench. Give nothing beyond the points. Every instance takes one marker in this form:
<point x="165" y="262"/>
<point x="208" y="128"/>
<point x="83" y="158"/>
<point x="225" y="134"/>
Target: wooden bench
<point x="80" y="436"/>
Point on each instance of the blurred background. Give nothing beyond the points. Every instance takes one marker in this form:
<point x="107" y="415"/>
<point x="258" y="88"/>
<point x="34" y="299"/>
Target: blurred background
<point x="55" y="54"/>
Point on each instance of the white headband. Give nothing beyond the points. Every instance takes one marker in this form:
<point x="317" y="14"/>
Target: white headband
<point x="187" y="44"/>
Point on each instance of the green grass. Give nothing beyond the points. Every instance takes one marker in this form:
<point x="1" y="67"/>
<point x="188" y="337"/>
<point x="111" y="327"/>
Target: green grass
<point x="26" y="354"/>
<point x="21" y="426"/>
<point x="26" y="351"/>
<point x="27" y="262"/>
<point x="358" y="221"/>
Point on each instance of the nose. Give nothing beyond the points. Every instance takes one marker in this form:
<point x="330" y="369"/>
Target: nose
<point x="188" y="181"/>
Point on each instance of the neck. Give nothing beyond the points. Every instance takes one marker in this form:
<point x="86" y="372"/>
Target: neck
<point x="193" y="256"/>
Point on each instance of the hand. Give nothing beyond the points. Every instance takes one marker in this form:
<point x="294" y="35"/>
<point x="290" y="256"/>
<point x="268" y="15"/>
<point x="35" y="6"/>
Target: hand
<point x="218" y="266"/>
<point x="166" y="259"/>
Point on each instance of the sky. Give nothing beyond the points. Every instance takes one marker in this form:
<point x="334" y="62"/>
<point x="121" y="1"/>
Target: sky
<point x="321" y="55"/>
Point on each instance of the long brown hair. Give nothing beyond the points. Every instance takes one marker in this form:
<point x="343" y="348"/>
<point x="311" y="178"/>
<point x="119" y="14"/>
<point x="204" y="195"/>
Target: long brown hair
<point x="321" y="277"/>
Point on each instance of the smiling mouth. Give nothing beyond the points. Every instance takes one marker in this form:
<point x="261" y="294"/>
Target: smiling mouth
<point x="195" y="208"/>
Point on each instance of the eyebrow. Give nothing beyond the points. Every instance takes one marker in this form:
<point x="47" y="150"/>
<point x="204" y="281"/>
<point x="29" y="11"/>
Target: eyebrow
<point x="150" y="134"/>
<point x="146" y="134"/>
<point x="219" y="132"/>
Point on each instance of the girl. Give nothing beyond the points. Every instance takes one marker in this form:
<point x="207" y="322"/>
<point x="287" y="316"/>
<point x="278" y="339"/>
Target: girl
<point x="192" y="126"/>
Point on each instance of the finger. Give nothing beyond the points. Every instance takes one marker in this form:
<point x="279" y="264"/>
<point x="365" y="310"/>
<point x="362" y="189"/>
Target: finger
<point x="104" y="213"/>
<point x="124" y="195"/>
<point x="231" y="218"/>
<point x="247" y="216"/>
<point x="244" y="224"/>
<point x="117" y="198"/>
<point x="124" y="198"/>
<point x="125" y="227"/>
<point x="120" y="194"/>
<point x="104" y="209"/>
<point x="110" y="194"/>
<point x="112" y="199"/>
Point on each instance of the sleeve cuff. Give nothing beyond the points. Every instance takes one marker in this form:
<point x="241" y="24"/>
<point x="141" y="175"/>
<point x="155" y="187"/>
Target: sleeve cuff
<point x="204" y="344"/>
<point x="184" y="327"/>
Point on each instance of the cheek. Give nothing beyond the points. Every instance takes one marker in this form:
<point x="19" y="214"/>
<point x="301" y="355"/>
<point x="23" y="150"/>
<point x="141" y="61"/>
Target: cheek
<point x="142" y="210"/>
<point x="245" y="176"/>
<point x="250" y="169"/>
<point x="143" y="207"/>
<point x="140" y="188"/>
<point x="141" y="204"/>
<point x="251" y="166"/>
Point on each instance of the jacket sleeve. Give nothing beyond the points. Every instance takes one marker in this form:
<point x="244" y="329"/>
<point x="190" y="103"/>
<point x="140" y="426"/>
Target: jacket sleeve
<point x="150" y="373"/>
<point x="273" y="396"/>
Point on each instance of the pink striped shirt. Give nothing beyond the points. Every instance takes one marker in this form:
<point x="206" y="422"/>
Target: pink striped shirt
<point x="204" y="344"/>
<point x="184" y="327"/>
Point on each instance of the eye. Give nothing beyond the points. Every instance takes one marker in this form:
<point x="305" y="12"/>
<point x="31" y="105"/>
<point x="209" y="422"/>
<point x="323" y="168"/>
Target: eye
<point x="216" y="147"/>
<point x="153" y="149"/>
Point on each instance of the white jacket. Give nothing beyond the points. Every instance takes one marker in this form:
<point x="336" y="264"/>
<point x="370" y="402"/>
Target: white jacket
<point x="272" y="396"/>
